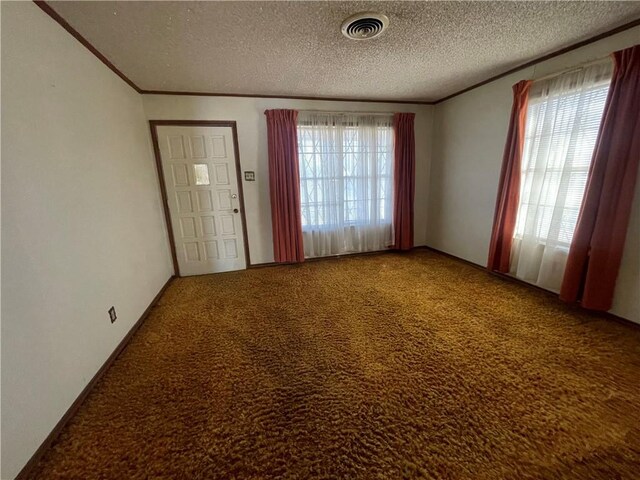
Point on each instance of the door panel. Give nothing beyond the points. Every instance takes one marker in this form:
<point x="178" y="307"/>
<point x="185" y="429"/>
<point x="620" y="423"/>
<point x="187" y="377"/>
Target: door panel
<point x="201" y="179"/>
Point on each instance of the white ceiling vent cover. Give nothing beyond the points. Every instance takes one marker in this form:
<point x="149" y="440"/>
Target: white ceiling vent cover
<point x="365" y="25"/>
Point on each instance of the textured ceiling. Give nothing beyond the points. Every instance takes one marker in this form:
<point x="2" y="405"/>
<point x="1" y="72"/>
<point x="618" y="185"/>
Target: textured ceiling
<point x="430" y="50"/>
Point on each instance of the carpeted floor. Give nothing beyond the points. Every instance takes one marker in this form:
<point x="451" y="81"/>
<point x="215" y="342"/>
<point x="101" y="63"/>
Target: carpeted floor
<point x="383" y="366"/>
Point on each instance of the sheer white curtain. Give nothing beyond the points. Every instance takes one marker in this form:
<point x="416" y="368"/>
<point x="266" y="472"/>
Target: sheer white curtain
<point x="562" y="124"/>
<point x="346" y="169"/>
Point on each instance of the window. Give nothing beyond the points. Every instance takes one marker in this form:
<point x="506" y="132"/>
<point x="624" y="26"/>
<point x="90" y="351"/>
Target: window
<point x="562" y="123"/>
<point x="201" y="171"/>
<point x="346" y="168"/>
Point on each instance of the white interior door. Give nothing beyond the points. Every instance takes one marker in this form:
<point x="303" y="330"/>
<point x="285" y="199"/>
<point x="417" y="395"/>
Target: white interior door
<point x="200" y="176"/>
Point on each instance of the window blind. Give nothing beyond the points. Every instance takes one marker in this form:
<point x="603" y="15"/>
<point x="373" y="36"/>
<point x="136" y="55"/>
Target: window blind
<point x="561" y="129"/>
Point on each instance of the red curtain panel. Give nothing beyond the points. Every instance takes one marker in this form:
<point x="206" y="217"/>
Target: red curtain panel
<point x="598" y="242"/>
<point x="284" y="184"/>
<point x="504" y="219"/>
<point x="404" y="179"/>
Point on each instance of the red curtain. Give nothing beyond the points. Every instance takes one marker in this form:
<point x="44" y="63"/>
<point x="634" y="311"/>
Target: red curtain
<point x="504" y="219"/>
<point x="598" y="241"/>
<point x="284" y="184"/>
<point x="404" y="179"/>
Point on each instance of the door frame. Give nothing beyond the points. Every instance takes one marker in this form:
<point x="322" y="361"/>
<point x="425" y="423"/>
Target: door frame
<point x="153" y="125"/>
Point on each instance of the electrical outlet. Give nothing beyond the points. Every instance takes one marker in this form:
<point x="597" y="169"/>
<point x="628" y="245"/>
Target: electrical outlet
<point x="112" y="314"/>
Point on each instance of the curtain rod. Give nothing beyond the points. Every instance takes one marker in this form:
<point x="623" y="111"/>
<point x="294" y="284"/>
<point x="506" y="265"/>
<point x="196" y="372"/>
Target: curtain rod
<point x="329" y="112"/>
<point x="569" y="69"/>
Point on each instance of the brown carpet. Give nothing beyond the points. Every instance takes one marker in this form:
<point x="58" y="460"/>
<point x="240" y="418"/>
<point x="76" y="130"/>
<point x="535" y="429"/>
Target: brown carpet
<point x="382" y="366"/>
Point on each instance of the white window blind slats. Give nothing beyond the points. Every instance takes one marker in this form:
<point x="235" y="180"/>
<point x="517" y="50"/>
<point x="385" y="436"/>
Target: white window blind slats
<point x="562" y="123"/>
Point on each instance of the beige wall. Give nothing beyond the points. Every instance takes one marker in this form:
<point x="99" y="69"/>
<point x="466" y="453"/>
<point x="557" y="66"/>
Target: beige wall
<point x="82" y="223"/>
<point x="252" y="139"/>
<point x="469" y="136"/>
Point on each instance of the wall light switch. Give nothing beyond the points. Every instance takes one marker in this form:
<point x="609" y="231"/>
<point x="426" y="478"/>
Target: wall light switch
<point x="112" y="314"/>
<point x="250" y="176"/>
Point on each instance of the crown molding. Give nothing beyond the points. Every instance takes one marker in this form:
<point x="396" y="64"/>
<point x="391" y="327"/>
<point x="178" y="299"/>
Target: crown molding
<point x="64" y="24"/>
<point x="548" y="56"/>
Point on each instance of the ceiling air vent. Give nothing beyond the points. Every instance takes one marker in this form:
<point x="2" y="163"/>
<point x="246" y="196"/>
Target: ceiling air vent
<point x="363" y="26"/>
